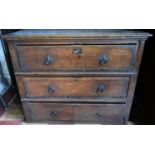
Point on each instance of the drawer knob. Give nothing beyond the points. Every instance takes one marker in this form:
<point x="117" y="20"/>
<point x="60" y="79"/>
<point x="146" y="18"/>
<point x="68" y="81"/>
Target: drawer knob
<point x="100" y="87"/>
<point x="98" y="115"/>
<point x="77" y="51"/>
<point x="103" y="59"/>
<point x="51" y="89"/>
<point x="48" y="60"/>
<point x="53" y="114"/>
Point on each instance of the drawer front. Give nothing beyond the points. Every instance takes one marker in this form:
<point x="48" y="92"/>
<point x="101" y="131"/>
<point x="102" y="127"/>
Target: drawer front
<point x="78" y="113"/>
<point x="67" y="87"/>
<point x="77" y="57"/>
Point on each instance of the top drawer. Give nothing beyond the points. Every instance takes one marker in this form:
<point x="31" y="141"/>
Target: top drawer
<point x="77" y="58"/>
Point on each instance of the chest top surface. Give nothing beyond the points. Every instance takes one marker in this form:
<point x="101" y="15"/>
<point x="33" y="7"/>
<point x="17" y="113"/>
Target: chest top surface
<point x="75" y="33"/>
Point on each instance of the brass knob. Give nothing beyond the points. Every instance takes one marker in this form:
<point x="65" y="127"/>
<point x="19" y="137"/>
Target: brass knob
<point x="100" y="87"/>
<point x="53" y="114"/>
<point x="51" y="89"/>
<point x="98" y="115"/>
<point x="103" y="59"/>
<point x="77" y="51"/>
<point x="49" y="59"/>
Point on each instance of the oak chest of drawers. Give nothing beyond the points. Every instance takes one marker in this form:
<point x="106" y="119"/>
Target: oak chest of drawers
<point x="76" y="76"/>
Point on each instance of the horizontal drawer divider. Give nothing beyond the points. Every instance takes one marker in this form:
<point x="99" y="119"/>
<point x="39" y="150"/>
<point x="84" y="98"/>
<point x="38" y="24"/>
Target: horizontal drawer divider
<point x="55" y="74"/>
<point x="97" y="100"/>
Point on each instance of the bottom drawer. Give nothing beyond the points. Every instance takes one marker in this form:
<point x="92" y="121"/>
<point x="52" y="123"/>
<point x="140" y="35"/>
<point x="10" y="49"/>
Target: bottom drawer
<point x="74" y="113"/>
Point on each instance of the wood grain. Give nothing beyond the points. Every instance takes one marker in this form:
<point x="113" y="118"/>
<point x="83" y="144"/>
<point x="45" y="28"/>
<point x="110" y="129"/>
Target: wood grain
<point x="75" y="33"/>
<point x="74" y="113"/>
<point x="120" y="57"/>
<point x="83" y="87"/>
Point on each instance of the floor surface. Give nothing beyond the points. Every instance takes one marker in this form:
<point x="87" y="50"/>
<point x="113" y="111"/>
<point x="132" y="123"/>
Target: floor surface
<point x="13" y="115"/>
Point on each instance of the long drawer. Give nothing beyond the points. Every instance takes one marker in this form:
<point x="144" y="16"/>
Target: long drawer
<point x="72" y="87"/>
<point x="75" y="58"/>
<point x="82" y="113"/>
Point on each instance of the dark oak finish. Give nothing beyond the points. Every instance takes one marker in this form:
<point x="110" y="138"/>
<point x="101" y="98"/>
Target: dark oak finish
<point x="75" y="113"/>
<point x="83" y="87"/>
<point x="76" y="33"/>
<point x="66" y="58"/>
<point x="76" y="76"/>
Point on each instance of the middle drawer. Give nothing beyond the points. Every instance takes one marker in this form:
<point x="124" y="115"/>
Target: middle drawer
<point x="73" y="87"/>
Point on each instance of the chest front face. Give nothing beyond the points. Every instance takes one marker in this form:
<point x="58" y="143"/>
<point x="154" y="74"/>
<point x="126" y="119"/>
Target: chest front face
<point x="79" y="77"/>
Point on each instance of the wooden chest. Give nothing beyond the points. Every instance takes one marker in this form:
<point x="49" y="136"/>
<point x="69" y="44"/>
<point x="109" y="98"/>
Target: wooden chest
<point x="76" y="76"/>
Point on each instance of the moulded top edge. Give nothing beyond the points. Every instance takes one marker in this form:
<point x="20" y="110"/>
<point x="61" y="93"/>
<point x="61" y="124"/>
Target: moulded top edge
<point x="75" y="33"/>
